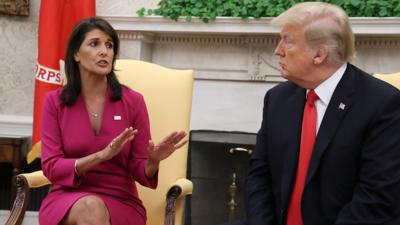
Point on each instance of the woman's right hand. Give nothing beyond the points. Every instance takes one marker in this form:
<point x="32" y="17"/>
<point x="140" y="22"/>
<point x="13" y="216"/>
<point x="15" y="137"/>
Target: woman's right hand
<point x="117" y="144"/>
<point x="82" y="165"/>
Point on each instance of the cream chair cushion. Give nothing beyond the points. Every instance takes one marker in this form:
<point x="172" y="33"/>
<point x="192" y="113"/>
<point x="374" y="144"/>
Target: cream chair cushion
<point x="168" y="95"/>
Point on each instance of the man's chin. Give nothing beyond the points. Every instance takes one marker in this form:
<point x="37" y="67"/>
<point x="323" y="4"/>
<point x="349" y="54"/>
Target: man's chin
<point x="284" y="75"/>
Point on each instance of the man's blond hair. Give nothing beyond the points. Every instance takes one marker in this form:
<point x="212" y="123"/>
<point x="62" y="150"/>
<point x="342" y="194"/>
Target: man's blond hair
<point x="324" y="24"/>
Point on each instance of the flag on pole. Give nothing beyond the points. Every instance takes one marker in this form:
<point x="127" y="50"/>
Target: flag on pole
<point x="56" y="21"/>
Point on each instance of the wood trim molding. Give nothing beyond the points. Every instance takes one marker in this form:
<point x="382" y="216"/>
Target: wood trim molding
<point x="361" y="41"/>
<point x="370" y="32"/>
<point x="15" y="7"/>
<point x="362" y="26"/>
<point x="16" y="125"/>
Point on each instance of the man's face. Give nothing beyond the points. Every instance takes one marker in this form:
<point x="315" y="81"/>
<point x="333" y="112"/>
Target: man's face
<point x="295" y="57"/>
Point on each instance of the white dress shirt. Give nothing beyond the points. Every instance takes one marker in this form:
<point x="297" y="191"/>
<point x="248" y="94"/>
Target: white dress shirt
<point x="325" y="91"/>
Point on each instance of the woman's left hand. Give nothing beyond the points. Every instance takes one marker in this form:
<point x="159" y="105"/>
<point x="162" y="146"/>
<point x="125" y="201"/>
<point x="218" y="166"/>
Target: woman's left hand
<point x="162" y="150"/>
<point x="166" y="147"/>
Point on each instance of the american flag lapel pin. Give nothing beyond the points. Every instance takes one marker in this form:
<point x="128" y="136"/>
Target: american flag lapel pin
<point x="117" y="117"/>
<point x="342" y="106"/>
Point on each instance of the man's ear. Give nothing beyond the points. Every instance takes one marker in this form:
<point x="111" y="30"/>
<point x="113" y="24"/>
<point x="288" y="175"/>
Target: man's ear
<point x="321" y="55"/>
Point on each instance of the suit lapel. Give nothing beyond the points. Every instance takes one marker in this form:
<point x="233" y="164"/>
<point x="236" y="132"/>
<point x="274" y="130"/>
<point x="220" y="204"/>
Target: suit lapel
<point x="339" y="104"/>
<point x="295" y="108"/>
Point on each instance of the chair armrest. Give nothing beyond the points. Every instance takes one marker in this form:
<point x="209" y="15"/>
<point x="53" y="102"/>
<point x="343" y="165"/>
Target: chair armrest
<point x="35" y="179"/>
<point x="23" y="183"/>
<point x="179" y="188"/>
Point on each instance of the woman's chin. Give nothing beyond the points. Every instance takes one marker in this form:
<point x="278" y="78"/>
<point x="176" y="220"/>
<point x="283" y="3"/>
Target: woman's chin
<point x="104" y="72"/>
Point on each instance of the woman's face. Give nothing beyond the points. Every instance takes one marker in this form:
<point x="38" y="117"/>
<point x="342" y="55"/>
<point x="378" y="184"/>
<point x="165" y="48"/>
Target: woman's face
<point x="96" y="53"/>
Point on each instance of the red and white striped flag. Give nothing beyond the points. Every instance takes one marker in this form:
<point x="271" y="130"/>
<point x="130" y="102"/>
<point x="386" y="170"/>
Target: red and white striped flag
<point x="56" y="21"/>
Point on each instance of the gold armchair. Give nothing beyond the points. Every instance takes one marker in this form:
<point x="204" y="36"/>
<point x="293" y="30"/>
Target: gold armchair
<point x="168" y="96"/>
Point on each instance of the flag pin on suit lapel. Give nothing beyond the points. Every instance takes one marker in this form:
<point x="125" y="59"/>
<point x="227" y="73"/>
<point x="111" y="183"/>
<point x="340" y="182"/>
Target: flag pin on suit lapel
<point x="342" y="106"/>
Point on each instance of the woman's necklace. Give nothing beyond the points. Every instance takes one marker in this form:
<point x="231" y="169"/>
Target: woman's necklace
<point x="98" y="103"/>
<point x="94" y="115"/>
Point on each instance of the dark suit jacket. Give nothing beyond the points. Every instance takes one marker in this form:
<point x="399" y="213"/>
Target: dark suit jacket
<point x="354" y="173"/>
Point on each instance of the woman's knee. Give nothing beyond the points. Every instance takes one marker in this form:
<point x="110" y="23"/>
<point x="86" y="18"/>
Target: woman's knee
<point x="91" y="202"/>
<point x="90" y="210"/>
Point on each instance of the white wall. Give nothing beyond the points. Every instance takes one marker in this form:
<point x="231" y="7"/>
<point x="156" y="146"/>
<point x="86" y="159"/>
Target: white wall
<point x="228" y="105"/>
<point x="123" y="7"/>
<point x="18" y="48"/>
<point x="218" y="105"/>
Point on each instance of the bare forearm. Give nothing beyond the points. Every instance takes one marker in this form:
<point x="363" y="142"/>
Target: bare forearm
<point x="151" y="168"/>
<point x="86" y="163"/>
<point x="163" y="150"/>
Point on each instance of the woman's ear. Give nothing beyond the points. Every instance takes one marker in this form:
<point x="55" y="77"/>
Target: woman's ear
<point x="76" y="58"/>
<point x="321" y="55"/>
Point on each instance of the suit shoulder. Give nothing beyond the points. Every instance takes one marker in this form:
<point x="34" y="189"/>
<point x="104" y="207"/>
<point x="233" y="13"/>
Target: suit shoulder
<point x="52" y="100"/>
<point x="54" y="96"/>
<point x="132" y="97"/>
<point x="130" y="93"/>
<point x="283" y="89"/>
<point x="54" y="93"/>
<point x="371" y="85"/>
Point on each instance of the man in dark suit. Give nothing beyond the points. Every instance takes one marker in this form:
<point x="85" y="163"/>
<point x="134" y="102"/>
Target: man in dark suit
<point x="334" y="160"/>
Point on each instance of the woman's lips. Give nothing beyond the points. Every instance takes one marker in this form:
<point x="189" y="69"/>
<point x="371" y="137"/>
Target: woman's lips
<point x="102" y="63"/>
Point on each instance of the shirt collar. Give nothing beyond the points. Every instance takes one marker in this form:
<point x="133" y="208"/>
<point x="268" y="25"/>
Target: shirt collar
<point x="325" y="89"/>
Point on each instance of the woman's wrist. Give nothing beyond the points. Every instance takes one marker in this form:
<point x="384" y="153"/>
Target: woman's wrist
<point x="153" y="162"/>
<point x="151" y="168"/>
<point x="76" y="167"/>
<point x="104" y="154"/>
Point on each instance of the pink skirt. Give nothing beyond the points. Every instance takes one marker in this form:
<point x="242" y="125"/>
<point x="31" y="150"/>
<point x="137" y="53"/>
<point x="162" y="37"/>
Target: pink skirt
<point x="57" y="204"/>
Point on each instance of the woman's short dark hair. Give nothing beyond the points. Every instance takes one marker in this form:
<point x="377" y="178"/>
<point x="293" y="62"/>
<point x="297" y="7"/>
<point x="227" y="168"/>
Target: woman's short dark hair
<point x="72" y="89"/>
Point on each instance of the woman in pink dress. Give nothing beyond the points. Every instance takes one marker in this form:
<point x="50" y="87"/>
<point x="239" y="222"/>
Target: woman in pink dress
<point x="96" y="138"/>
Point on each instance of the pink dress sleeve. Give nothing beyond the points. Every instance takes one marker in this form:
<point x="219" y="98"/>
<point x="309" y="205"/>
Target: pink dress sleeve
<point x="140" y="143"/>
<point x="58" y="169"/>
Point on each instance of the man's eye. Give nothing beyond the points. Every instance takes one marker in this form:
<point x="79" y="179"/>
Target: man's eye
<point x="286" y="40"/>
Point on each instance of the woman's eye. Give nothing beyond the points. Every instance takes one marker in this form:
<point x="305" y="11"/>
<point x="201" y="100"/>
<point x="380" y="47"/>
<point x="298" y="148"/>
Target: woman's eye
<point x="109" y="45"/>
<point x="92" y="44"/>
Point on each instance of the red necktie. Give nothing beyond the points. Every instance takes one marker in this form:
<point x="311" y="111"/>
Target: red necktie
<point x="308" y="134"/>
